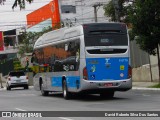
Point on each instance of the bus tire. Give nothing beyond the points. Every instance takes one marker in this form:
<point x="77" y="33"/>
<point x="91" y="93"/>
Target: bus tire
<point x="107" y="94"/>
<point x="43" y="92"/>
<point x="66" y="94"/>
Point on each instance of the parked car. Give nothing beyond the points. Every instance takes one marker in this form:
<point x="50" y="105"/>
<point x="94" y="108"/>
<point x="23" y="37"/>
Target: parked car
<point x="16" y="79"/>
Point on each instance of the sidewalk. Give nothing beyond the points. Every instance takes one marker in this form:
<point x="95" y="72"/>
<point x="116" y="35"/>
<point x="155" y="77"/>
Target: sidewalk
<point x="144" y="86"/>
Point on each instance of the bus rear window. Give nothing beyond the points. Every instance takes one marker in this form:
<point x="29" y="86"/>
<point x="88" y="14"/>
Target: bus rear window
<point x="106" y="40"/>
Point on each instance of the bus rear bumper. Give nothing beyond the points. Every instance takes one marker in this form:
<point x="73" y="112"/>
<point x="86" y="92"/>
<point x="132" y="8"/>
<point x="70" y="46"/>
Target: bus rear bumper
<point x="99" y="86"/>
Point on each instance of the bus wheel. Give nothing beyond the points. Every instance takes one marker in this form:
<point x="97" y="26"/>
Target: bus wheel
<point x="66" y="94"/>
<point x="44" y="93"/>
<point x="107" y="94"/>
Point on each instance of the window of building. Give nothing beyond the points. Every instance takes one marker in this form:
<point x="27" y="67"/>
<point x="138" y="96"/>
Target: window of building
<point x="68" y="9"/>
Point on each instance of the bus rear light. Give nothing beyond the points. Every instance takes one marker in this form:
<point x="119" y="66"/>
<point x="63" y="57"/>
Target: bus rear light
<point x="85" y="74"/>
<point x="129" y="71"/>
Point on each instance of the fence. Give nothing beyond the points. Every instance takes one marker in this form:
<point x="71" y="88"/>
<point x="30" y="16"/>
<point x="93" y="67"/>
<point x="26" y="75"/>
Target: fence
<point x="145" y="66"/>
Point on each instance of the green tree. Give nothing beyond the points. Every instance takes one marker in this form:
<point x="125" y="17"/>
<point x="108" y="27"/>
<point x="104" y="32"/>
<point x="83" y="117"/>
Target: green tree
<point x="110" y="11"/>
<point x="145" y="19"/>
<point x="21" y="3"/>
<point x="2" y="2"/>
<point x="26" y="46"/>
<point x="121" y="10"/>
<point x="27" y="40"/>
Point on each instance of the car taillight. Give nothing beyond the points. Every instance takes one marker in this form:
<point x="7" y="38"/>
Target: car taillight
<point x="26" y="77"/>
<point x="85" y="74"/>
<point x="129" y="71"/>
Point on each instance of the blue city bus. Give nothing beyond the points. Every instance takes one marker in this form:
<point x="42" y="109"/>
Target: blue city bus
<point x="90" y="58"/>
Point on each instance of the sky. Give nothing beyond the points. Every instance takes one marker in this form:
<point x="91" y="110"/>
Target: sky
<point x="11" y="19"/>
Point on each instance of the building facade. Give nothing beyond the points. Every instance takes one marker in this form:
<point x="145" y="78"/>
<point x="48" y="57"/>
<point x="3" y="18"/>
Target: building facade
<point x="66" y="13"/>
<point x="46" y="16"/>
<point x="75" y="12"/>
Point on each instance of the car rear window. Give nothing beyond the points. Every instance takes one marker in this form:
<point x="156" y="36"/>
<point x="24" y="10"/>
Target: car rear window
<point x="16" y="74"/>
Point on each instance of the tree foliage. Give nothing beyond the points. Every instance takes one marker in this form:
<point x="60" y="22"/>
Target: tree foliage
<point x="144" y="15"/>
<point x="122" y="10"/>
<point x="26" y="46"/>
<point x="110" y="11"/>
<point x="28" y="39"/>
<point x="20" y="3"/>
<point x="145" y="19"/>
<point x="2" y="2"/>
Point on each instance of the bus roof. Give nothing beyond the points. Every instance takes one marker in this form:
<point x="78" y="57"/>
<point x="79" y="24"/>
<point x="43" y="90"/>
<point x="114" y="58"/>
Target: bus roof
<point x="64" y="33"/>
<point x="58" y="35"/>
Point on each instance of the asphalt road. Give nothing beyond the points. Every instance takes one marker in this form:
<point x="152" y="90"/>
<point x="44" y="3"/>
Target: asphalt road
<point x="31" y="100"/>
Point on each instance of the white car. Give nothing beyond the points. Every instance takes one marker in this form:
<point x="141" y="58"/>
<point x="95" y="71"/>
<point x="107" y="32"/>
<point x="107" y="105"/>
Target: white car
<point x="16" y="79"/>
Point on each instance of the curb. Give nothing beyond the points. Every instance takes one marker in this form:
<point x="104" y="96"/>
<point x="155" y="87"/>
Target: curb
<point x="133" y="88"/>
<point x="141" y="88"/>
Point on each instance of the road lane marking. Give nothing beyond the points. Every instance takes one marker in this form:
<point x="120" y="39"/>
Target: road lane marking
<point x="65" y="118"/>
<point x="20" y="109"/>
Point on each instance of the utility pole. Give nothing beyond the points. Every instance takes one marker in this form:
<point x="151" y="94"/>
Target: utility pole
<point x="95" y="10"/>
<point x="116" y="8"/>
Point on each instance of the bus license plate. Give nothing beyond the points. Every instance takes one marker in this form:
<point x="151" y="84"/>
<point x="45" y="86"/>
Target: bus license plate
<point x="108" y="84"/>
